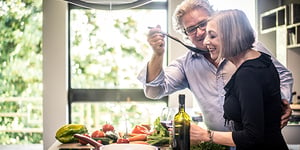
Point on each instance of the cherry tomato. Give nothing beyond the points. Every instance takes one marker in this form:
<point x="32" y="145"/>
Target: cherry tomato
<point x="99" y="141"/>
<point x="122" y="141"/>
<point x="98" y="134"/>
<point x="83" y="142"/>
<point x="108" y="127"/>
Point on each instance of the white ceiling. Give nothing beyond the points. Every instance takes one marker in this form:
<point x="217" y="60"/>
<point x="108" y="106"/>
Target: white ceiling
<point x="109" y="1"/>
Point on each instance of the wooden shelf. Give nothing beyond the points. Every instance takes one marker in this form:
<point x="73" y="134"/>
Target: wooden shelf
<point x="293" y="35"/>
<point x="294" y="13"/>
<point x="272" y="19"/>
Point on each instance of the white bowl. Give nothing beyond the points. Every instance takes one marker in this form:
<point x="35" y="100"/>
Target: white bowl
<point x="128" y="147"/>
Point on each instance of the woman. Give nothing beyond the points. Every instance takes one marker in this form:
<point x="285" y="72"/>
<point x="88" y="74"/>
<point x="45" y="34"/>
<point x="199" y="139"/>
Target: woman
<point x="252" y="101"/>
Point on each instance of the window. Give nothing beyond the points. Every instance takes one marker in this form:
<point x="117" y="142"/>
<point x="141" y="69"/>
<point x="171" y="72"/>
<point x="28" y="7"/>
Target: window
<point x="21" y="73"/>
<point x="108" y="48"/>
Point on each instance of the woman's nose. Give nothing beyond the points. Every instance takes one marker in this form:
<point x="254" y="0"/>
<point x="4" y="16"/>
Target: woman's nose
<point x="206" y="41"/>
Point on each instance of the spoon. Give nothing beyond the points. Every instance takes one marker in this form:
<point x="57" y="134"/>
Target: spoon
<point x="194" y="49"/>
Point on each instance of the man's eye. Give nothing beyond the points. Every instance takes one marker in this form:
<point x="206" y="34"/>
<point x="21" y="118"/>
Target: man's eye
<point x="203" y="24"/>
<point x="190" y="30"/>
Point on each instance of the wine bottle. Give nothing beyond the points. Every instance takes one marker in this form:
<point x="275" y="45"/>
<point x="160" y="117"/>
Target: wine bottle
<point x="181" y="127"/>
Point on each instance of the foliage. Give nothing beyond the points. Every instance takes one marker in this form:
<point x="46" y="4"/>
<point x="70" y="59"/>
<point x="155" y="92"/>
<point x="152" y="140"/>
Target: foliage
<point x="20" y="65"/>
<point x="101" y="42"/>
<point x="208" y="146"/>
<point x="20" y="48"/>
<point x="20" y="138"/>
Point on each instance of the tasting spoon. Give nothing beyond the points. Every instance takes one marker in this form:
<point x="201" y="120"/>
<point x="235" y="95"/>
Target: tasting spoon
<point x="194" y="49"/>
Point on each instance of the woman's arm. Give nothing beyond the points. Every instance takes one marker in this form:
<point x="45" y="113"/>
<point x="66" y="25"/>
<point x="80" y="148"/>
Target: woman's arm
<point x="198" y="135"/>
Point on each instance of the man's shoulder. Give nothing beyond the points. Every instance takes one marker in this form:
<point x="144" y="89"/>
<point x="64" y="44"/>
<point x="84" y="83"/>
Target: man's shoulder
<point x="261" y="47"/>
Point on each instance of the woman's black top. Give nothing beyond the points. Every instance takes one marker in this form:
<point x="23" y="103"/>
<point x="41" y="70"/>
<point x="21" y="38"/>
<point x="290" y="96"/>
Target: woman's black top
<point x="253" y="103"/>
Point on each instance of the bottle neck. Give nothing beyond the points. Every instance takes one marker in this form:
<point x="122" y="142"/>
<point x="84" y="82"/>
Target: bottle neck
<point x="181" y="108"/>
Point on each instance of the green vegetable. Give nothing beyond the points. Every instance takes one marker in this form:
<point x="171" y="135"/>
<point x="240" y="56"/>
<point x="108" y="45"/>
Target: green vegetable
<point x="112" y="135"/>
<point x="158" y="141"/>
<point x="160" y="130"/>
<point x="65" y="133"/>
<point x="208" y="146"/>
<point x="104" y="140"/>
<point x="160" y="136"/>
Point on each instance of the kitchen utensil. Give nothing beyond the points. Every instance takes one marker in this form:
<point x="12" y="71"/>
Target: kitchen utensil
<point x="194" y="49"/>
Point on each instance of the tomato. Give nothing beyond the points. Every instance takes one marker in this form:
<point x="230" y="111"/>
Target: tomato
<point x="122" y="141"/>
<point x="83" y="142"/>
<point x="107" y="127"/>
<point x="99" y="141"/>
<point x="146" y="126"/>
<point x="98" y="134"/>
<point x="138" y="129"/>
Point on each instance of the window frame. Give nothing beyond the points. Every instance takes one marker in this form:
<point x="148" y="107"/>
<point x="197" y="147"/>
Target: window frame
<point x="105" y="95"/>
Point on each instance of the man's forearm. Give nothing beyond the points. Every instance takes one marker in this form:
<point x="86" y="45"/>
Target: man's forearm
<point x="154" y="67"/>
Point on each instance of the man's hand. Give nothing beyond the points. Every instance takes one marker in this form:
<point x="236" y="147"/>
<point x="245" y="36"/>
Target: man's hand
<point x="156" y="40"/>
<point x="286" y="112"/>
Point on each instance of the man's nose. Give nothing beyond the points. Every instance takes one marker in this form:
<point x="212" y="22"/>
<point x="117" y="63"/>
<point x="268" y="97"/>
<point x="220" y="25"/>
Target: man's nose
<point x="200" y="31"/>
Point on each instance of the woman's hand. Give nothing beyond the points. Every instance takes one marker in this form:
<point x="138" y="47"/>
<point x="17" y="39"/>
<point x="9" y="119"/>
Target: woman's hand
<point x="198" y="134"/>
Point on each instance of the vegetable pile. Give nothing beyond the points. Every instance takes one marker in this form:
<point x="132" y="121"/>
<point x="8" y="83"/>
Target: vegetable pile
<point x="140" y="134"/>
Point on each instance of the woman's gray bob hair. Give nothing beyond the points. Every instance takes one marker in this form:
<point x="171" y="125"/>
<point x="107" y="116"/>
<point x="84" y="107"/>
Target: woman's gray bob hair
<point x="235" y="31"/>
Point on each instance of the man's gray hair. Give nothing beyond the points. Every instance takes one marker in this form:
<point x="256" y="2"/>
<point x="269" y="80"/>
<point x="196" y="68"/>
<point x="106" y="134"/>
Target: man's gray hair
<point x="185" y="7"/>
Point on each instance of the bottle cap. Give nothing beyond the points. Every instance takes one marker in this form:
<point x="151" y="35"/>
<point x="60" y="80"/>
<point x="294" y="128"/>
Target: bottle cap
<point x="181" y="99"/>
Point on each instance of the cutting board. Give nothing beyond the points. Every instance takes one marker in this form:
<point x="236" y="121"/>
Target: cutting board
<point x="74" y="146"/>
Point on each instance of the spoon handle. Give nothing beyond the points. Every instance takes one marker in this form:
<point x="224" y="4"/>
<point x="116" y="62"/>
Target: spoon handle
<point x="194" y="49"/>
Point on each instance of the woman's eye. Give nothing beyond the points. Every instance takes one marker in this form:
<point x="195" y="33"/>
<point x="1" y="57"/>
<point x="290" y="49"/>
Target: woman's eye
<point x="212" y="36"/>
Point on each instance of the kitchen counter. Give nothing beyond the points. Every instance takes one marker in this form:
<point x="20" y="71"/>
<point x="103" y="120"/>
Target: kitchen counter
<point x="57" y="145"/>
<point x="291" y="134"/>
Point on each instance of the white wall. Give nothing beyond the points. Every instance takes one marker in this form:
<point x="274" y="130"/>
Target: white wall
<point x="54" y="68"/>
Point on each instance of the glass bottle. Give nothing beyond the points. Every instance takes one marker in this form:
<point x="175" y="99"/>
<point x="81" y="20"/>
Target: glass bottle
<point x="181" y="127"/>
